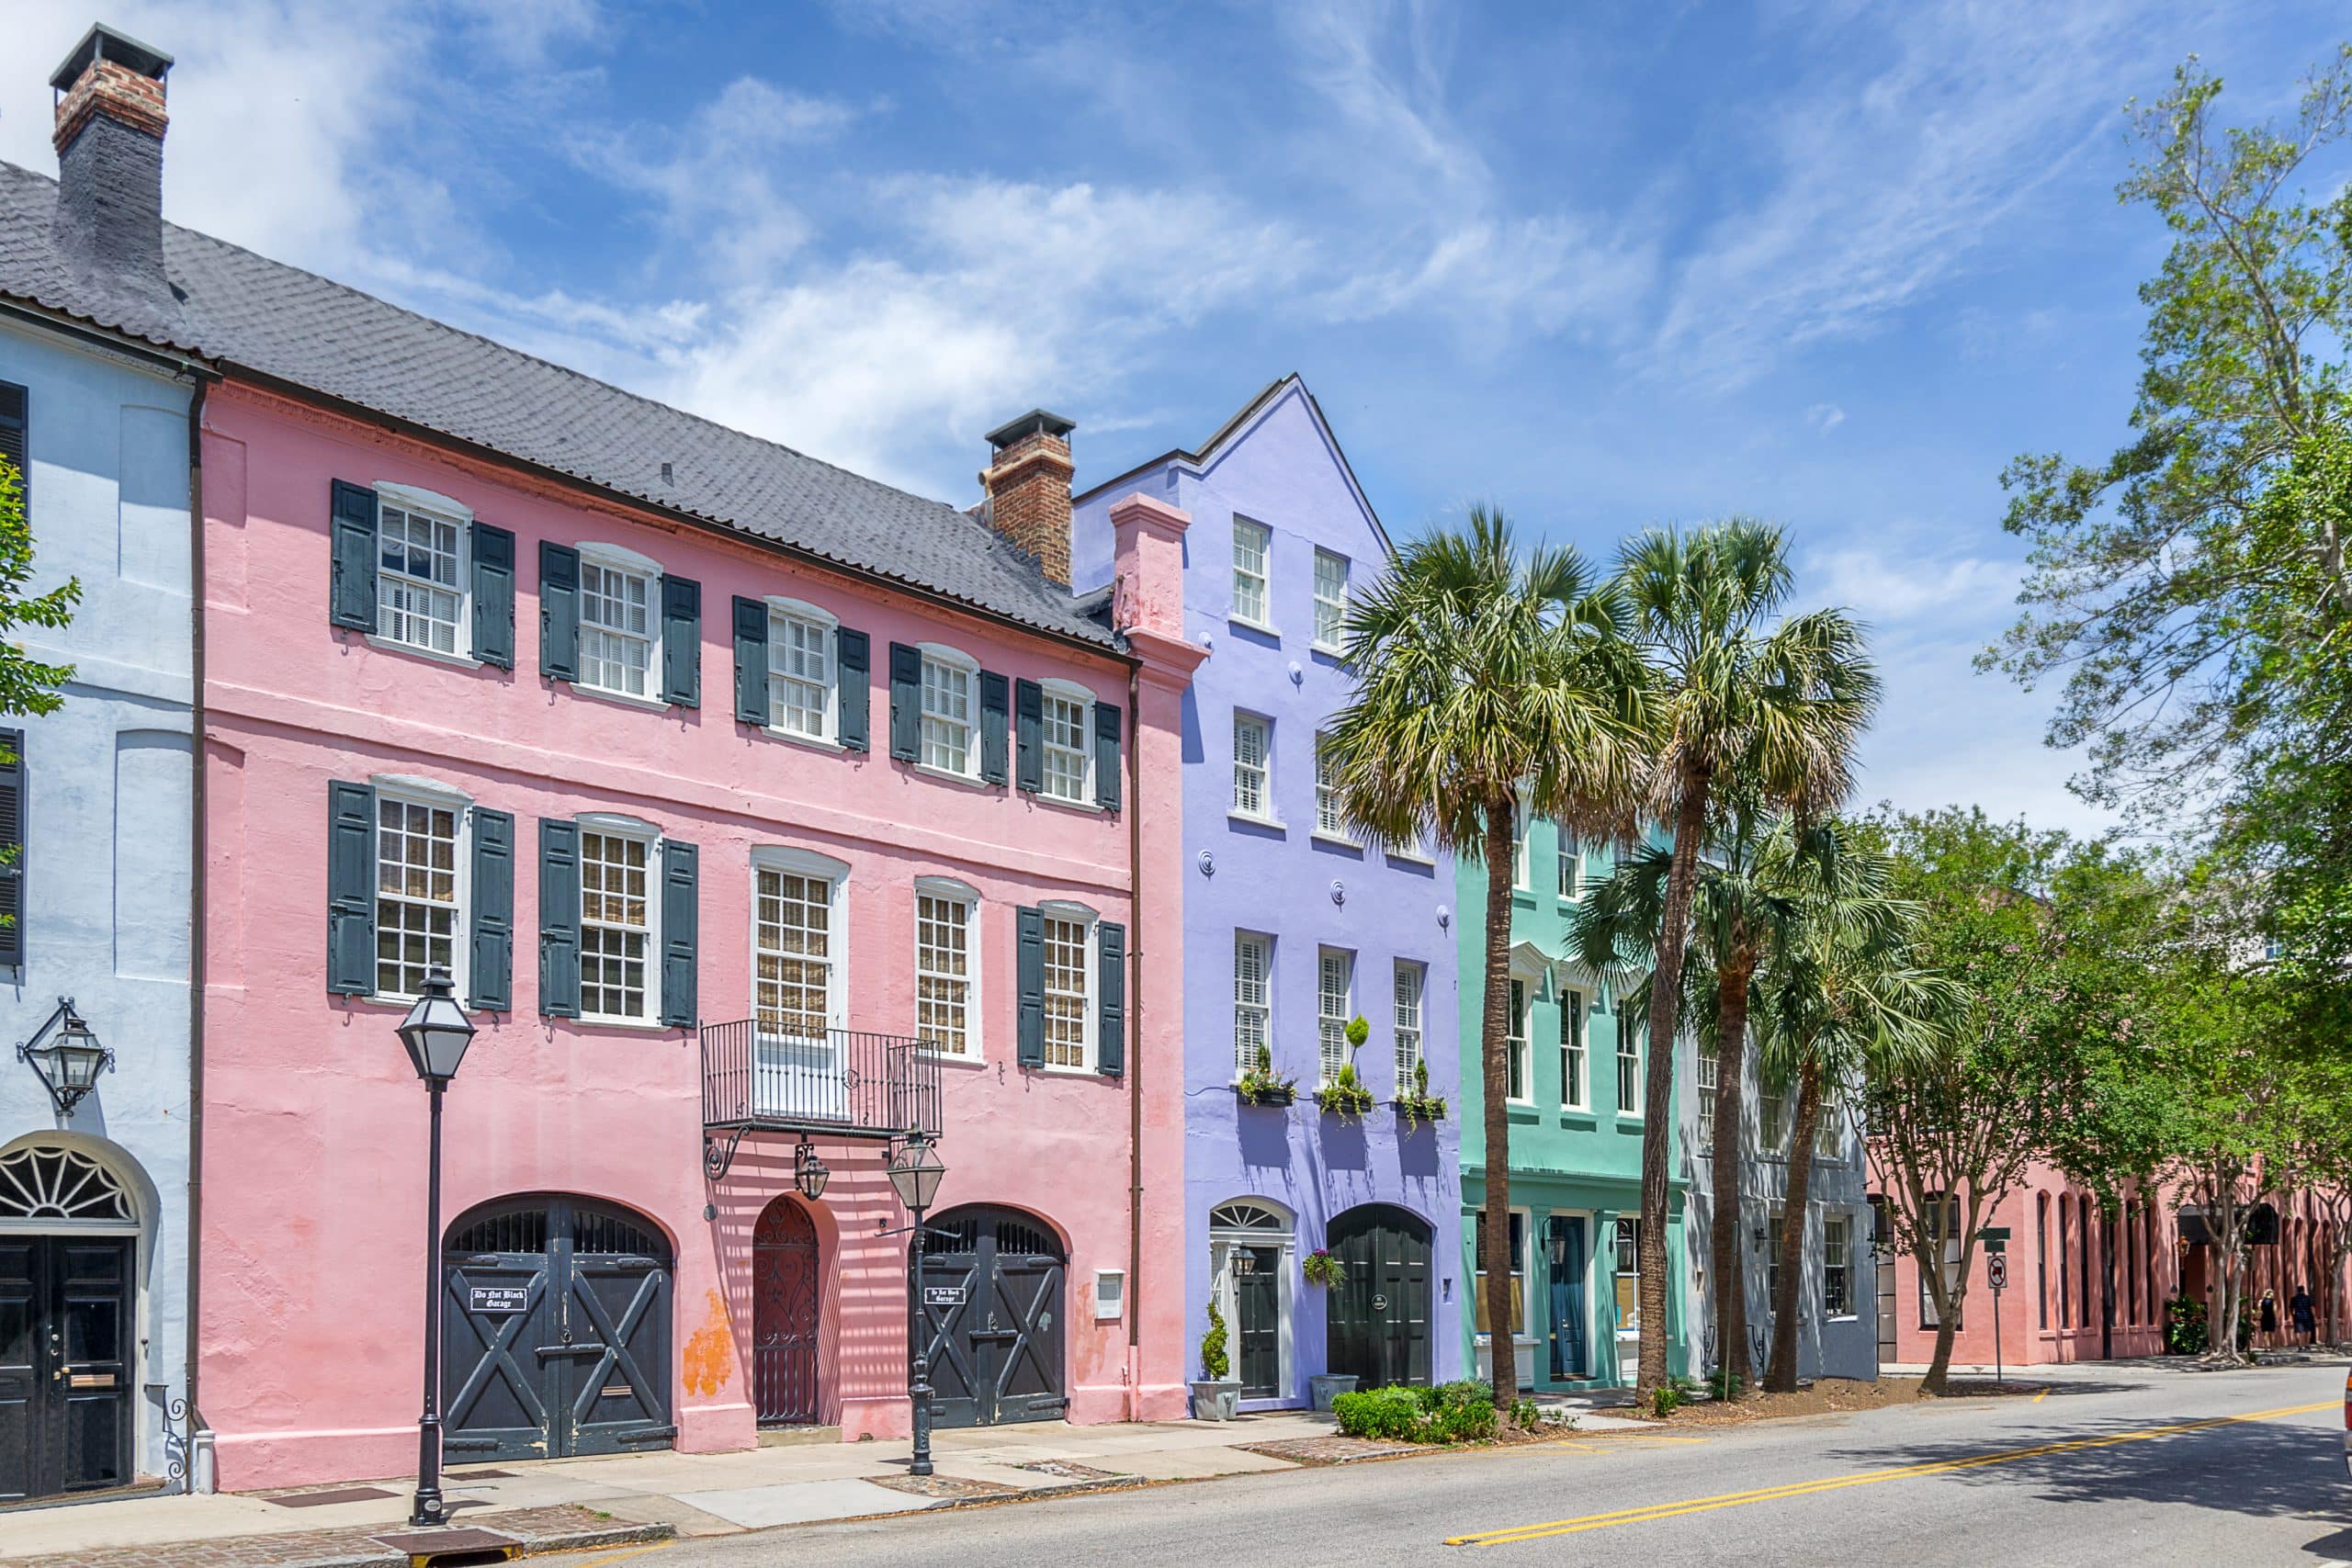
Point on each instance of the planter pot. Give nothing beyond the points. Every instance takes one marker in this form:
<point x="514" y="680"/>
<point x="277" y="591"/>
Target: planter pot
<point x="1215" y="1401"/>
<point x="1324" y="1387"/>
<point x="1268" y="1097"/>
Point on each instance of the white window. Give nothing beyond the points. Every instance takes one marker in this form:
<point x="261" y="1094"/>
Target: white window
<point x="1837" y="1266"/>
<point x="946" y="922"/>
<point x="1517" y="1242"/>
<point x="800" y="671"/>
<point x="1830" y="1129"/>
<point x="1329" y="819"/>
<point x="420" y="573"/>
<point x="1410" y="978"/>
<point x="795" y="952"/>
<point x="616" y="926"/>
<point x="1774" y="1225"/>
<point x="1515" y="1045"/>
<point x="1330" y="599"/>
<point x="1629" y="1066"/>
<point x="1251" y="544"/>
<point x="1522" y="824"/>
<point x="1067" y="714"/>
<point x="1628" y="1270"/>
<point x="1068" y="987"/>
<point x="417" y="908"/>
<point x="1572" y="1064"/>
<point x="947" y="705"/>
<point x="1252" y="763"/>
<point x="1334" y="1006"/>
<point x="1571" y="862"/>
<point x="617" y="625"/>
<point x="1710" y="1066"/>
<point x="1253" y="963"/>
<point x="1772" y="1117"/>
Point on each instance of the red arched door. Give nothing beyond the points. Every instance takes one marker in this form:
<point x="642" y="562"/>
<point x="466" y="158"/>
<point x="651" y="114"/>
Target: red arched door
<point x="785" y="1297"/>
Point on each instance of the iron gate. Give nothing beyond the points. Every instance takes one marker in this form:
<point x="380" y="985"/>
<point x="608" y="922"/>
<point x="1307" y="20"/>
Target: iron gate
<point x="785" y="1297"/>
<point x="555" y="1336"/>
<point x="992" y="1320"/>
<point x="1377" y="1325"/>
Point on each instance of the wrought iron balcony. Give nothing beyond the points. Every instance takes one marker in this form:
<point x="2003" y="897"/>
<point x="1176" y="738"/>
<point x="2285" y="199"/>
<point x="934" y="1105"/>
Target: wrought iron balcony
<point x="844" y="1083"/>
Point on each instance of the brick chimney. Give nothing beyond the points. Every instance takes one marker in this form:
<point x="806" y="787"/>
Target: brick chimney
<point x="109" y="142"/>
<point x="1027" y="484"/>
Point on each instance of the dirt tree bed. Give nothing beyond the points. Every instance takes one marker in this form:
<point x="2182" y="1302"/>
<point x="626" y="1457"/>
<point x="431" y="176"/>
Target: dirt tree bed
<point x="1828" y="1396"/>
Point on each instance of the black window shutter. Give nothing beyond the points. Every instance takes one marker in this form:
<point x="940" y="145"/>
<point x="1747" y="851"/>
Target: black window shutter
<point x="1029" y="736"/>
<point x="680" y="641"/>
<point x="1106" y="755"/>
<point x="995" y="699"/>
<point x="559" y="918"/>
<point x="1111" y="1032"/>
<point x="750" y="661"/>
<point x="1031" y="969"/>
<point x="490" y="978"/>
<point x="12" y="847"/>
<point x="493" y="551"/>
<point x="678" y="934"/>
<point x="854" y="672"/>
<point x="15" y="407"/>
<point x="351" y="889"/>
<point x="906" y="701"/>
<point x="351" y="593"/>
<point x="559" y="611"/>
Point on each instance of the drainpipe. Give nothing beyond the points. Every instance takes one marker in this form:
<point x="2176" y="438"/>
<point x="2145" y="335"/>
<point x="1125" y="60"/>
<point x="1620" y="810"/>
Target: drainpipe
<point x="1135" y="1046"/>
<point x="200" y="1449"/>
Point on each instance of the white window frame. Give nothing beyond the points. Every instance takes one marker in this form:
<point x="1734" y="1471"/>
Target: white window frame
<point x="1522" y="824"/>
<point x="1516" y="1053"/>
<point x="1629" y="1049"/>
<point x="1330" y="823"/>
<point x="791" y="861"/>
<point x="1260" y="1011"/>
<point x="956" y="658"/>
<point x="1629" y="1326"/>
<point x="1090" y="979"/>
<point x="1264" y="1223"/>
<point x="782" y="612"/>
<point x="967" y="897"/>
<point x="620" y="558"/>
<point x="1707" y="1075"/>
<point x="1334" y="610"/>
<point x="437" y="508"/>
<point x="1837" y="1254"/>
<point x="1331" y="1030"/>
<point x="1771" y="1118"/>
<point x="1410" y="1021"/>
<point x="1262" y="576"/>
<point x="1524" y="1276"/>
<point x="1776" y="1223"/>
<point x="1571" y="856"/>
<point x="1057" y="689"/>
<point x="1264" y="811"/>
<point x="1830" y="1129"/>
<point x="432" y="795"/>
<point x="1576" y="1048"/>
<point x="637" y="830"/>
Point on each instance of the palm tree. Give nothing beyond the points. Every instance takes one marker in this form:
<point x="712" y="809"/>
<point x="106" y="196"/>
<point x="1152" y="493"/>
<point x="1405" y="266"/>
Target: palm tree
<point x="1730" y="702"/>
<point x="1841" y="998"/>
<point x="1485" y="676"/>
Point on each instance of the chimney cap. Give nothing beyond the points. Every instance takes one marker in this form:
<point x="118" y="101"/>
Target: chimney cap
<point x="1028" y="425"/>
<point x="103" y="43"/>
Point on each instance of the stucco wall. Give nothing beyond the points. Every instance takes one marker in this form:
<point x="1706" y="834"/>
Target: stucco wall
<point x="312" y="1336"/>
<point x="108" y="803"/>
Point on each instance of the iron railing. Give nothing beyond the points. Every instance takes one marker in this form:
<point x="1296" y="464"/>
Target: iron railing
<point x="847" y="1082"/>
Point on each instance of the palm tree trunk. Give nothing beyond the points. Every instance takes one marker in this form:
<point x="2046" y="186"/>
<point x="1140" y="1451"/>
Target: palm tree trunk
<point x="1728" y="1257"/>
<point x="1657" y="1080"/>
<point x="1786" y="1295"/>
<point x="1495" y="1056"/>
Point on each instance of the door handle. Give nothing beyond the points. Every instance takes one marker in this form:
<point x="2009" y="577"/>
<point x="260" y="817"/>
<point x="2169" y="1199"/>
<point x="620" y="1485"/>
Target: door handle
<point x="570" y="1350"/>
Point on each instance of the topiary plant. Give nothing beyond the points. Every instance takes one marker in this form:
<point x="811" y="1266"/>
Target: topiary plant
<point x="1215" y="1362"/>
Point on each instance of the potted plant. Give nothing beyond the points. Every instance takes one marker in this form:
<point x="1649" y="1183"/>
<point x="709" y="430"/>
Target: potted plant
<point x="1419" y="1105"/>
<point x="1345" y="1095"/>
<point x="1215" y="1397"/>
<point x="1258" y="1086"/>
<point x="1321" y="1269"/>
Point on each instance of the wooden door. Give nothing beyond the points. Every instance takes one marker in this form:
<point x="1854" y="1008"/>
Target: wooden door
<point x="990" y="1314"/>
<point x="1258" y="1320"/>
<point x="786" y="1293"/>
<point x="65" y="1364"/>
<point x="1377" y="1322"/>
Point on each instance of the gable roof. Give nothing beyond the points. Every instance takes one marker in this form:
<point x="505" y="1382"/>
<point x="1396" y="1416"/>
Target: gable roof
<point x="1233" y="429"/>
<point x="244" y="312"/>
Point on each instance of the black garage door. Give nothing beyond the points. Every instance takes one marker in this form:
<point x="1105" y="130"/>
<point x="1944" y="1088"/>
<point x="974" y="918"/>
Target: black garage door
<point x="555" y="1336"/>
<point x="992" y="1312"/>
<point x="1377" y="1324"/>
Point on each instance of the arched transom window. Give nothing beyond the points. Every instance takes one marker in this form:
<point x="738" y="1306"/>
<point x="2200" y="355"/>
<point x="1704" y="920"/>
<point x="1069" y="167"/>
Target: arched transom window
<point x="40" y="1182"/>
<point x="1246" y="1216"/>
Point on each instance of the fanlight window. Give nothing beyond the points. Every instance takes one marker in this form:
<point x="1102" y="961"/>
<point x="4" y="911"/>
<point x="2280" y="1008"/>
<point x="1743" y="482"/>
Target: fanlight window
<point x="38" y="1183"/>
<point x="1245" y="1217"/>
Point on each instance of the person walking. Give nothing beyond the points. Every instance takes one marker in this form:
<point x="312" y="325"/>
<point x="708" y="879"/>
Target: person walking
<point x="2299" y="1312"/>
<point x="2269" y="1323"/>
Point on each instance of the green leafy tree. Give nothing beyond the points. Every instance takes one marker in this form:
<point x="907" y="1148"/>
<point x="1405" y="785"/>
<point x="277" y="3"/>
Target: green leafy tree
<point x="1733" y="700"/>
<point x="1481" y="671"/>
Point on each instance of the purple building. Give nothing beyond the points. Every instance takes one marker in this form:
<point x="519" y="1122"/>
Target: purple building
<point x="1292" y="931"/>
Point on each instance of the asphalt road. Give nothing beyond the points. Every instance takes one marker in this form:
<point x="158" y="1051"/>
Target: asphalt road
<point x="2219" y="1469"/>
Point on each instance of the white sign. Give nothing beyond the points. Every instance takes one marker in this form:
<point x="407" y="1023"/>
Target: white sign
<point x="1997" y="1271"/>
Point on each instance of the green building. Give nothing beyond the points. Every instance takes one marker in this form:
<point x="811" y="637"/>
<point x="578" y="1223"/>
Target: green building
<point x="1576" y="1133"/>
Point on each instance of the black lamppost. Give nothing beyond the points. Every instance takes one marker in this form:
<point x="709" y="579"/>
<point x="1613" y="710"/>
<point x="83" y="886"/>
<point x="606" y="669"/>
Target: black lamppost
<point x="436" y="1032"/>
<point x="915" y="1174"/>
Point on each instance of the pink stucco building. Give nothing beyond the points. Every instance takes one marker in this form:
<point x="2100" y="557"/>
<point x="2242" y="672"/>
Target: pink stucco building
<point x="759" y="811"/>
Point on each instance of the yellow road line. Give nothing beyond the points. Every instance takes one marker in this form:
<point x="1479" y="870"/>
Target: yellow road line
<point x="2039" y="1397"/>
<point x="1865" y="1478"/>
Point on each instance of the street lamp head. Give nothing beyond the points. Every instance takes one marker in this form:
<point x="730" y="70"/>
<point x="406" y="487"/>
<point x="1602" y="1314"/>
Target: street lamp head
<point x="809" y="1174"/>
<point x="66" y="1057"/>
<point x="915" y="1172"/>
<point x="436" y="1030"/>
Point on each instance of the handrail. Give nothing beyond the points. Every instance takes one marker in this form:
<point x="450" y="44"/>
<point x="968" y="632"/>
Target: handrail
<point x="842" y="1080"/>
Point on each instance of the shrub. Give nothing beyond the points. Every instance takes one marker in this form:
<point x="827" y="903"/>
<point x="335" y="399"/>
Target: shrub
<point x="1725" y="1383"/>
<point x="1665" y="1400"/>
<point x="1215" y="1362"/>
<point x="1390" y="1412"/>
<point x="1525" y="1415"/>
<point x="1450" y="1413"/>
<point x="2186" y="1333"/>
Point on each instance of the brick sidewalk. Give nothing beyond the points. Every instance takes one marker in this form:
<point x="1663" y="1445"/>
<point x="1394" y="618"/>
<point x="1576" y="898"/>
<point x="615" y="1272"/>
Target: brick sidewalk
<point x="564" y="1527"/>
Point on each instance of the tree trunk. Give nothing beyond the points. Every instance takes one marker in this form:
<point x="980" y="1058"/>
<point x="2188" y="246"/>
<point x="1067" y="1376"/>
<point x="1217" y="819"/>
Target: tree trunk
<point x="1727" y="1256"/>
<point x="1784" y="1377"/>
<point x="1495" y="1044"/>
<point x="1657" y="1078"/>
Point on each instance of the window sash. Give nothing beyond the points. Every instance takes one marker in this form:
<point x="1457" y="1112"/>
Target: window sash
<point x="418" y="909"/>
<point x="1252" y="999"/>
<point x="946" y="716"/>
<point x="800" y="676"/>
<point x="1627" y="1270"/>
<point x="419" y="581"/>
<point x="616" y="629"/>
<point x="1572" y="1049"/>
<point x="1330" y="598"/>
<point x="1516" y="1240"/>
<point x="1334" y="994"/>
<point x="1828" y="1130"/>
<point x="1710" y="1080"/>
<point x="1249" y="766"/>
<point x="1408" y="1000"/>
<point x="1067" y="991"/>
<point x="1328" y="819"/>
<point x="616" y="926"/>
<point x="1064" y="728"/>
<point x="943" y="966"/>
<point x="1772" y="1118"/>
<point x="1515" y="1044"/>
<point x="1571" y="863"/>
<point x="1629" y="1069"/>
<point x="1837" y="1267"/>
<point x="1250" y="542"/>
<point x="792" y="954"/>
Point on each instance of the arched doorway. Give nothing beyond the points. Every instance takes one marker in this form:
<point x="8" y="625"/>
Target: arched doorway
<point x="992" y="1314"/>
<point x="786" y="1296"/>
<point x="69" y="1242"/>
<point x="1377" y="1324"/>
<point x="1250" y="1246"/>
<point x="555" y="1330"/>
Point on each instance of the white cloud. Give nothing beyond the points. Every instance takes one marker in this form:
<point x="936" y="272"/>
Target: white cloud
<point x="1887" y="591"/>
<point x="1824" y="417"/>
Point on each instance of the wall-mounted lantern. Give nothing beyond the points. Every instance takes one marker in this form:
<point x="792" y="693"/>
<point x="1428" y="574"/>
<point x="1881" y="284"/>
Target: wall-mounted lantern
<point x="65" y="1057"/>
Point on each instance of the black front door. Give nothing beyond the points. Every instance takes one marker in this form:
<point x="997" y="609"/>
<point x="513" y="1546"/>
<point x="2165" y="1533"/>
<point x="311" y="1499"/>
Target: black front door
<point x="1377" y="1322"/>
<point x="65" y="1364"/>
<point x="990" y="1307"/>
<point x="1258" y="1314"/>
<point x="555" y="1336"/>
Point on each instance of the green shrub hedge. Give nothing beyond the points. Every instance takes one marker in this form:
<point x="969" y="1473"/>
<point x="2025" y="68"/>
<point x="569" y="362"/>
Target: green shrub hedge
<point x="1449" y="1413"/>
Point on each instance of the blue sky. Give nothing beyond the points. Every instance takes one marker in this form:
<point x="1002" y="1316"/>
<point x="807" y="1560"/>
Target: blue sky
<point x="1604" y="264"/>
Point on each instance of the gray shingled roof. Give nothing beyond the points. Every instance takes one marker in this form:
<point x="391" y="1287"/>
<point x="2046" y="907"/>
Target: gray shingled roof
<point x="244" y="310"/>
